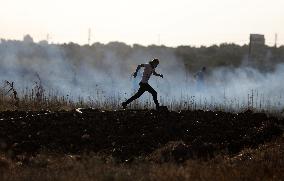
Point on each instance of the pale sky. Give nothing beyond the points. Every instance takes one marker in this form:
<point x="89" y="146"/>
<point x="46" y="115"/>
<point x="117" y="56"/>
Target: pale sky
<point x="168" y="22"/>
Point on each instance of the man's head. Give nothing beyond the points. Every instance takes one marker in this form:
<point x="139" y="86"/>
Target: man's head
<point x="155" y="62"/>
<point x="203" y="69"/>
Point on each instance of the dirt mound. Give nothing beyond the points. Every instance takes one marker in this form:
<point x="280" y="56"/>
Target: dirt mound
<point x="126" y="134"/>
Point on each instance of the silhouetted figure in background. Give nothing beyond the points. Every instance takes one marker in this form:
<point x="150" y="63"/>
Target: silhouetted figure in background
<point x="149" y="69"/>
<point x="200" y="79"/>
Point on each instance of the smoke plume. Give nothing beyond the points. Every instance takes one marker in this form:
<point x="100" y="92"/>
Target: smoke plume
<point x="105" y="70"/>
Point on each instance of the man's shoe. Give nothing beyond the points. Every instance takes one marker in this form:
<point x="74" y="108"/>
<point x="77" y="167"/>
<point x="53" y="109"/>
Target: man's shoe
<point x="124" y="105"/>
<point x="162" y="109"/>
<point x="157" y="107"/>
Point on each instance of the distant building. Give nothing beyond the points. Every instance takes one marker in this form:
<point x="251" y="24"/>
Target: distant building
<point x="257" y="39"/>
<point x="256" y="44"/>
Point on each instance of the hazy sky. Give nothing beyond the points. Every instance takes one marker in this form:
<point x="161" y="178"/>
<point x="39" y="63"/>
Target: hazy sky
<point x="168" y="22"/>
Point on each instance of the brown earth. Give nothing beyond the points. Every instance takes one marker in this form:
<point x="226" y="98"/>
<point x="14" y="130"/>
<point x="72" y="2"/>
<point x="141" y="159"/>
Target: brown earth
<point x="129" y="134"/>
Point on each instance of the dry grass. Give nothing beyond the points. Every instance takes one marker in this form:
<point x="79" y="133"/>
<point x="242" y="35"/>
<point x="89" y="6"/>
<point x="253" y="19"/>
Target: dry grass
<point x="264" y="163"/>
<point x="37" y="98"/>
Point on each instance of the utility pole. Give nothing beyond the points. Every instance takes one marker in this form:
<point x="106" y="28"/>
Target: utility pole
<point x="47" y="37"/>
<point x="276" y="36"/>
<point x="89" y="36"/>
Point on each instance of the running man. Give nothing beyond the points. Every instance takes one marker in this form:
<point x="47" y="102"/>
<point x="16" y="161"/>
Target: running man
<point x="149" y="69"/>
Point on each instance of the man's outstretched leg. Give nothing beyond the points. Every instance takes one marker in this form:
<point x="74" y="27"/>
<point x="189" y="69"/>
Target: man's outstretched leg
<point x="135" y="96"/>
<point x="154" y="94"/>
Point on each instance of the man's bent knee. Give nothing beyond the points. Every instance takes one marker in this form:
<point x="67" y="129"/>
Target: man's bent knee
<point x="154" y="93"/>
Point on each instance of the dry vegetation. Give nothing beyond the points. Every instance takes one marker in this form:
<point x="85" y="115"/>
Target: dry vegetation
<point x="264" y="163"/>
<point x="167" y="153"/>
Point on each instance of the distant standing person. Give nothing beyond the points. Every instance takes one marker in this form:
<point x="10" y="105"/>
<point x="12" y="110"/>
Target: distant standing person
<point x="149" y="69"/>
<point x="200" y="80"/>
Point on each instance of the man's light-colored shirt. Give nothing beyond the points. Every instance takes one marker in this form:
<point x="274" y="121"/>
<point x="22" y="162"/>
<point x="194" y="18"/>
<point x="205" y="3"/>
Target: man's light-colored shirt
<point x="148" y="71"/>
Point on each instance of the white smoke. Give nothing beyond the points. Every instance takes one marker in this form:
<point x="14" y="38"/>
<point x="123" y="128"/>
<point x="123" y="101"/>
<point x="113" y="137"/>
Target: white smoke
<point x="105" y="73"/>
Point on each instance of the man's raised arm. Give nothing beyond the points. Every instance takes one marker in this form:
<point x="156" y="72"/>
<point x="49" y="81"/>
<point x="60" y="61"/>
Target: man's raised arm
<point x="137" y="69"/>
